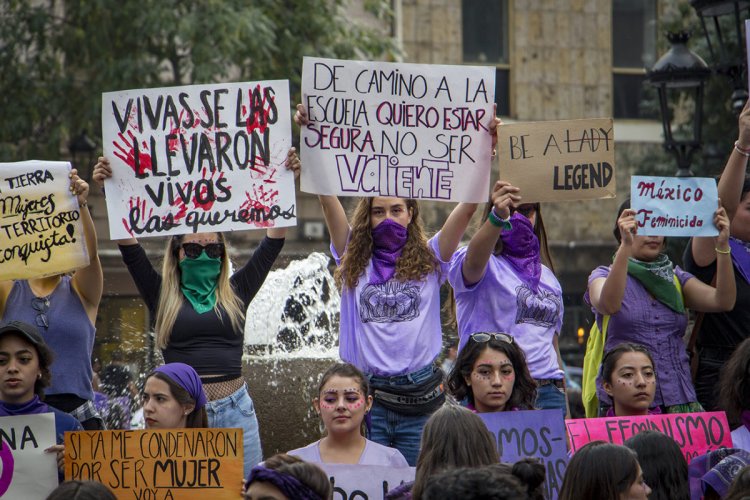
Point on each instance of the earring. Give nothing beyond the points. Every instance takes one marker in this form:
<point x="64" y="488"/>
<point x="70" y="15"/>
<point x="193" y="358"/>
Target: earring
<point x="39" y="376"/>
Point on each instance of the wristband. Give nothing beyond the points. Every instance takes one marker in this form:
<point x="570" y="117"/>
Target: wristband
<point x="744" y="152"/>
<point x="725" y="252"/>
<point x="498" y="221"/>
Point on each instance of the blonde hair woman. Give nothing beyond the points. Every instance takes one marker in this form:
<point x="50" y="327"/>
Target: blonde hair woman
<point x="199" y="310"/>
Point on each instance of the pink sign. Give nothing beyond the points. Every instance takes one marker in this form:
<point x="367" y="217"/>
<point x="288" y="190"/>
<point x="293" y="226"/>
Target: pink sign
<point x="694" y="433"/>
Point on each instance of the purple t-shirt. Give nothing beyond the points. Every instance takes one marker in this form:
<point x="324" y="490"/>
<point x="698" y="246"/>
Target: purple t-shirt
<point x="741" y="438"/>
<point x="644" y="320"/>
<point x="373" y="454"/>
<point x="502" y="302"/>
<point x="393" y="328"/>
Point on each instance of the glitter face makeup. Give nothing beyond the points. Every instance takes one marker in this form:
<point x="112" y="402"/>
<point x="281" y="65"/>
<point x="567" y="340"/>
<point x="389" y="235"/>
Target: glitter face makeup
<point x="342" y="405"/>
<point x="491" y="381"/>
<point x="633" y="384"/>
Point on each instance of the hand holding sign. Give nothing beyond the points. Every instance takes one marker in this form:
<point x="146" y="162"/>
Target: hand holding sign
<point x="504" y="196"/>
<point x="628" y="227"/>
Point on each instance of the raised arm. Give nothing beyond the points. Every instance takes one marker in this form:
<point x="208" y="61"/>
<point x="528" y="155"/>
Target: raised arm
<point x="291" y="163"/>
<point x="702" y="297"/>
<point x="87" y="281"/>
<point x="103" y="171"/>
<point x="606" y="293"/>
<point x="333" y="211"/>
<point x="483" y="242"/>
<point x="730" y="184"/>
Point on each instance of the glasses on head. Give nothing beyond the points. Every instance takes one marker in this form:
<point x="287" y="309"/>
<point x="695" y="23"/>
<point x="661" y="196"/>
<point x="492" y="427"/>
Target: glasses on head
<point x="194" y="250"/>
<point x="41" y="306"/>
<point x="485" y="337"/>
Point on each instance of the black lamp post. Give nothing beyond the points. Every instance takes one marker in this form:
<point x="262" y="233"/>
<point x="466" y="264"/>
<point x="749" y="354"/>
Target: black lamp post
<point x="82" y="149"/>
<point x="722" y="22"/>
<point x="677" y="75"/>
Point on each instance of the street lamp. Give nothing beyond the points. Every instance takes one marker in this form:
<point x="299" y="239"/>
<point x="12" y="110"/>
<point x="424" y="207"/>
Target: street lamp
<point x="679" y="77"/>
<point x="722" y="22"/>
<point x="82" y="148"/>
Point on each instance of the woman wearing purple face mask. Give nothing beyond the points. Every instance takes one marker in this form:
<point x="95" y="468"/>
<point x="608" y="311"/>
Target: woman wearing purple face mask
<point x="390" y="276"/>
<point x="503" y="282"/>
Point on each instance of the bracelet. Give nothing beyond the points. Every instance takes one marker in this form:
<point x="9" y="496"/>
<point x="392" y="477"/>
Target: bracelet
<point x="744" y="152"/>
<point x="498" y="221"/>
<point x="725" y="252"/>
<point x="84" y="203"/>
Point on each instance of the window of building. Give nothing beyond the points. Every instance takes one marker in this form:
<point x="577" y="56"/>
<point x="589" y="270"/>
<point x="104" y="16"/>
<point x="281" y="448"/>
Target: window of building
<point x="633" y="50"/>
<point x="485" y="41"/>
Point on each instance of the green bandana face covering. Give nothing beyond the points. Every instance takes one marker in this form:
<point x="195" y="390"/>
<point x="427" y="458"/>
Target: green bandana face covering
<point x="658" y="278"/>
<point x="198" y="281"/>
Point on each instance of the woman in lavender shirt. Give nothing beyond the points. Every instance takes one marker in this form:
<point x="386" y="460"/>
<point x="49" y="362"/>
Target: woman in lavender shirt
<point x="645" y="306"/>
<point x="503" y="282"/>
<point x="342" y="404"/>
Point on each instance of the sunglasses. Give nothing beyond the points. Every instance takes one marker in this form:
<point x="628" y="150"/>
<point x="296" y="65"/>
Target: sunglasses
<point x="194" y="250"/>
<point x="41" y="306"/>
<point x="526" y="209"/>
<point x="485" y="337"/>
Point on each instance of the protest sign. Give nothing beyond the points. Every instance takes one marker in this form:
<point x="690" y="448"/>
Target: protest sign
<point x="406" y="130"/>
<point x="674" y="206"/>
<point x="26" y="471"/>
<point x="538" y="434"/>
<point x="198" y="158"/>
<point x="363" y="482"/>
<point x="41" y="232"/>
<point x="159" y="464"/>
<point x="559" y="160"/>
<point x="694" y="433"/>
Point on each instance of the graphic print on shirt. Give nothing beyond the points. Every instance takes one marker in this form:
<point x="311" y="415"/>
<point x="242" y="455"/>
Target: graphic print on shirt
<point x="541" y="309"/>
<point x="391" y="302"/>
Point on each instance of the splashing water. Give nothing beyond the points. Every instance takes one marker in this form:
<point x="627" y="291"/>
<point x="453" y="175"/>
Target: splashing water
<point x="295" y="313"/>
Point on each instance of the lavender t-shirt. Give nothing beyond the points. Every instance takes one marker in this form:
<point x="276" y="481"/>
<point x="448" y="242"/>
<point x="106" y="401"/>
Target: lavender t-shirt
<point x="501" y="302"/>
<point x="373" y="454"/>
<point x="393" y="328"/>
<point x="644" y="320"/>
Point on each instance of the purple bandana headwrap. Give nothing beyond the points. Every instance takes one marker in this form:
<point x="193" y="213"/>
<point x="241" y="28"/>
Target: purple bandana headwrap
<point x="186" y="377"/>
<point x="741" y="257"/>
<point x="716" y="469"/>
<point x="289" y="485"/>
<point x="521" y="249"/>
<point x="388" y="240"/>
<point x="30" y="408"/>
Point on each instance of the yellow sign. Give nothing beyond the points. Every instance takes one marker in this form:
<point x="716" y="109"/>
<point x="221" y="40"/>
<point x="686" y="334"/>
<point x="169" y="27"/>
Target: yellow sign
<point x="41" y="232"/>
<point x="559" y="160"/>
<point x="159" y="464"/>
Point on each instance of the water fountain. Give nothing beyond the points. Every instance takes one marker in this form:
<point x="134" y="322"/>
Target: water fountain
<point x="291" y="335"/>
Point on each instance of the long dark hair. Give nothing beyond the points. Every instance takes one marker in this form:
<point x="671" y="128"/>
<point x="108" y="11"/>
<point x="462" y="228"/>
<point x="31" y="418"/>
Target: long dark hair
<point x="453" y="437"/>
<point x="347" y="370"/>
<point x="524" y="389"/>
<point x="613" y="356"/>
<point x="599" y="471"/>
<point x="734" y="394"/>
<point x="196" y="419"/>
<point x="664" y="467"/>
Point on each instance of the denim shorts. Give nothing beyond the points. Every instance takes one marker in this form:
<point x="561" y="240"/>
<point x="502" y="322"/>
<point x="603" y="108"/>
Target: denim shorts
<point x="237" y="411"/>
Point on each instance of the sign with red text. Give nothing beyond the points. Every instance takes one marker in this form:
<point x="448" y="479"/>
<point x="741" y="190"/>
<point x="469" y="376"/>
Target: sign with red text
<point x="395" y="129"/>
<point x="559" y="160"/>
<point x="536" y="434"/>
<point x="189" y="464"/>
<point x="198" y="158"/>
<point x="26" y="471"/>
<point x="365" y="482"/>
<point x="694" y="433"/>
<point x="674" y="206"/>
<point x="41" y="232"/>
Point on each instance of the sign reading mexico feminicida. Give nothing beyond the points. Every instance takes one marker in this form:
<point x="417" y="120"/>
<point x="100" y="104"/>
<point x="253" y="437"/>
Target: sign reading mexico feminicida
<point x="392" y="129"/>
<point x="198" y="158"/>
<point x="559" y="160"/>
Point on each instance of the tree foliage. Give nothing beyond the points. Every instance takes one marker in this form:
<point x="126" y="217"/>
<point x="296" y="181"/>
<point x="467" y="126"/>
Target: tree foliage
<point x="58" y="56"/>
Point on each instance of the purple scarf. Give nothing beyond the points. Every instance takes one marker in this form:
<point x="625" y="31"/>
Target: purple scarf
<point x="186" y="377"/>
<point x="32" y="407"/>
<point x="521" y="249"/>
<point x="388" y="240"/>
<point x="745" y="417"/>
<point x="741" y="257"/>
<point x="289" y="485"/>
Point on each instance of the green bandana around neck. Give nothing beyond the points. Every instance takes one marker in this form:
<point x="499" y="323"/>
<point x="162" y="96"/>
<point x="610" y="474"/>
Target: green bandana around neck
<point x="198" y="281"/>
<point x="657" y="278"/>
